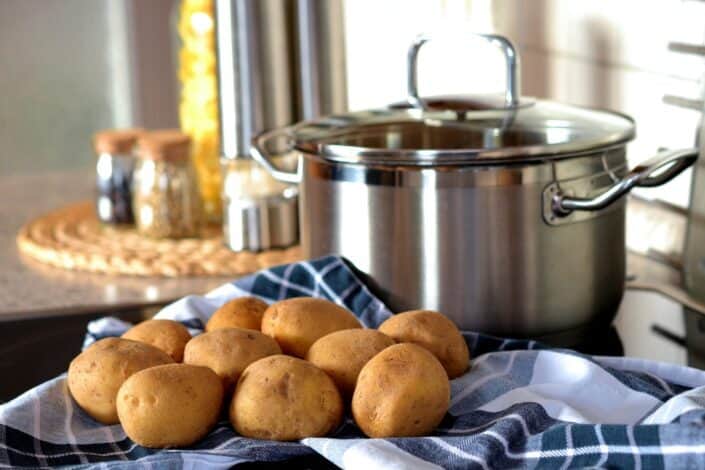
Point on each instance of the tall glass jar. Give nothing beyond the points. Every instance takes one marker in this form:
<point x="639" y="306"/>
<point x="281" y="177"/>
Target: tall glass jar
<point x="166" y="200"/>
<point x="198" y="106"/>
<point x="114" y="166"/>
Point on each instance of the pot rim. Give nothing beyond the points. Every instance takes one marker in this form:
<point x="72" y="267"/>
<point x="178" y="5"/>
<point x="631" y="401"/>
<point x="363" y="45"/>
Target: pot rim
<point x="531" y="160"/>
<point x="432" y="158"/>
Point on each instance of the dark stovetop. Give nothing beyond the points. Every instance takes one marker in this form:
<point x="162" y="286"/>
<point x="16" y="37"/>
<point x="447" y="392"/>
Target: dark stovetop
<point x="648" y="326"/>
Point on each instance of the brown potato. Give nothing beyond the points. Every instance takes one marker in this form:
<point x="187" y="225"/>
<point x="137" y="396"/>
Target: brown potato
<point x="170" y="406"/>
<point x="297" y="323"/>
<point x="95" y="375"/>
<point x="434" y="332"/>
<point x="244" y="312"/>
<point x="227" y="352"/>
<point x="342" y="354"/>
<point x="168" y="335"/>
<point x="285" y="399"/>
<point x="402" y="391"/>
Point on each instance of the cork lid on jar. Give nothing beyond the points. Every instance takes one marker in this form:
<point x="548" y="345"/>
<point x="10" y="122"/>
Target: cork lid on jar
<point x="116" y="141"/>
<point x="165" y="145"/>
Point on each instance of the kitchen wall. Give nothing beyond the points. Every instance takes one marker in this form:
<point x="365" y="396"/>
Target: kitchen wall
<point x="54" y="80"/>
<point x="71" y="67"/>
<point x="378" y="36"/>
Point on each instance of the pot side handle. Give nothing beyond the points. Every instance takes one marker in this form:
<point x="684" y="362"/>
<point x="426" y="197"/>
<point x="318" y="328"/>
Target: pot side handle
<point x="261" y="155"/>
<point x="655" y="171"/>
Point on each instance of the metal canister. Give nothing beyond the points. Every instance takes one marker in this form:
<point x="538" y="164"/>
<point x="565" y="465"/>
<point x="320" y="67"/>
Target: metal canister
<point x="273" y="70"/>
<point x="320" y="68"/>
<point x="256" y="84"/>
<point x="114" y="166"/>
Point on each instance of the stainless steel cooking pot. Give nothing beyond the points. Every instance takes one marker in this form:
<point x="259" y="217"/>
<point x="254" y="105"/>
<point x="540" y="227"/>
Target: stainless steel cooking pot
<point x="506" y="217"/>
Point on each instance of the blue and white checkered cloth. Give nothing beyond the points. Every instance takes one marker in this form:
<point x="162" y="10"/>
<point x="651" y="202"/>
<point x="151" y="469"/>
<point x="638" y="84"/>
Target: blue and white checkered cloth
<point x="521" y="404"/>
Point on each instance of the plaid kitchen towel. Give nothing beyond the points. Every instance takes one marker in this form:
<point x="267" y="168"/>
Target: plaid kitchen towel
<point x="521" y="405"/>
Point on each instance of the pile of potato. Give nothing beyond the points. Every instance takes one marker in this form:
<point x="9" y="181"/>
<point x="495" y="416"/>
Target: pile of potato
<point x="283" y="372"/>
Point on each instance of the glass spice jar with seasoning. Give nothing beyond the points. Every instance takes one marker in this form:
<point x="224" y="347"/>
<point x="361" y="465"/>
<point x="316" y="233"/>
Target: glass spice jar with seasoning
<point x="114" y="166"/>
<point x="165" y="197"/>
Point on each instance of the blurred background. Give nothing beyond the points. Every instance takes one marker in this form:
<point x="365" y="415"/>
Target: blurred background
<point x="72" y="67"/>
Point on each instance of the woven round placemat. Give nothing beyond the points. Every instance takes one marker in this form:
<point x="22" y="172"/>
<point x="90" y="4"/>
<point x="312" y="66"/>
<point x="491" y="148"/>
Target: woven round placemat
<point x="73" y="238"/>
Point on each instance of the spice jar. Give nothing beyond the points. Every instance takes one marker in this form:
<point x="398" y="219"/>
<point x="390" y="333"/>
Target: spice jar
<point x="165" y="199"/>
<point x="114" y="167"/>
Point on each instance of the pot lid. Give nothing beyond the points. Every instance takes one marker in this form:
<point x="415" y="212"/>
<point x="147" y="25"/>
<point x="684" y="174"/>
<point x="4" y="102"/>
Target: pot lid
<point x="540" y="130"/>
<point x="463" y="129"/>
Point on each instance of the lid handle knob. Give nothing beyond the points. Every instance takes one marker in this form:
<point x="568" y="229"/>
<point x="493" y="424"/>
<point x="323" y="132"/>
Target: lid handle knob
<point x="512" y="91"/>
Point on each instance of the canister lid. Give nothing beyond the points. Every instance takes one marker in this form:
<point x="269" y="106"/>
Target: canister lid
<point x="463" y="130"/>
<point x="116" y="141"/>
<point x="167" y="144"/>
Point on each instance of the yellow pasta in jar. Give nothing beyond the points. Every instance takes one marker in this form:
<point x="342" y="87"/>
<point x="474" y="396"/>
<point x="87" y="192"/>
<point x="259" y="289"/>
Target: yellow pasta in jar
<point x="198" y="109"/>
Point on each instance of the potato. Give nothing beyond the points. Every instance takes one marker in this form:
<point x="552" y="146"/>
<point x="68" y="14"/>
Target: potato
<point x="342" y="354"/>
<point x="434" y="332"/>
<point x="227" y="352"/>
<point x="297" y="323"/>
<point x="170" y="406"/>
<point x="285" y="399"/>
<point x="401" y="392"/>
<point x="168" y="335"/>
<point x="244" y="312"/>
<point x="95" y="375"/>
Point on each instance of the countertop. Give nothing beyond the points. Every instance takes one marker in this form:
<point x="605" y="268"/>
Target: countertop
<point x="31" y="290"/>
